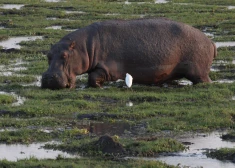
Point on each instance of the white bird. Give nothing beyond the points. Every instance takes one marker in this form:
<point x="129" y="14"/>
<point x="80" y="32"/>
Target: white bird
<point x="128" y="80"/>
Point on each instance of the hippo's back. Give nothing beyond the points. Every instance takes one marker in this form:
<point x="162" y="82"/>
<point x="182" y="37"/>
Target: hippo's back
<point x="149" y="40"/>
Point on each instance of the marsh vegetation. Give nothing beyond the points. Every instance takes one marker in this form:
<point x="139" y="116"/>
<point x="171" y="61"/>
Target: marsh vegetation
<point x="158" y="115"/>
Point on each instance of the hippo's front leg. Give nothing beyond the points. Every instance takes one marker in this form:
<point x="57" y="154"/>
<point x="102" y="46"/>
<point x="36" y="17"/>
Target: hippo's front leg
<point x="96" y="78"/>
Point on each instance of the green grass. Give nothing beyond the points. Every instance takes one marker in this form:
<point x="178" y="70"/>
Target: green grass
<point x="223" y="154"/>
<point x="6" y="99"/>
<point x="85" y="163"/>
<point x="132" y="147"/>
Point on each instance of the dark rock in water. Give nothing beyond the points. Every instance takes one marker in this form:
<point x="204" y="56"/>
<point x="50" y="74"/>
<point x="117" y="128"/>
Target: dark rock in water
<point x="107" y="145"/>
<point x="229" y="137"/>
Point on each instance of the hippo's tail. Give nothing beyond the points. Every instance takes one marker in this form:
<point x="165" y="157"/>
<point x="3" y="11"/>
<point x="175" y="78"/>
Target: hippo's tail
<point x="215" y="49"/>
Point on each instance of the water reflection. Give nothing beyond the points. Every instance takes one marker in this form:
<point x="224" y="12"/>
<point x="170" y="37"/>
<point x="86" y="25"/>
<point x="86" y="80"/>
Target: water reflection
<point x="161" y="1"/>
<point x="19" y="151"/>
<point x="225" y="44"/>
<point x="195" y="156"/>
<point x="231" y="7"/>
<point x="54" y="27"/>
<point x="11" y="6"/>
<point x="14" y="41"/>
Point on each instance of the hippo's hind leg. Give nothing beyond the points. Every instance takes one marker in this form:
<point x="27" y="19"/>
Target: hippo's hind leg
<point x="197" y="78"/>
<point x="96" y="78"/>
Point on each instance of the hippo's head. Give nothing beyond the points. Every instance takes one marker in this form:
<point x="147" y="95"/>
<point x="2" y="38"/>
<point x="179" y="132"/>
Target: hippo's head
<point x="64" y="65"/>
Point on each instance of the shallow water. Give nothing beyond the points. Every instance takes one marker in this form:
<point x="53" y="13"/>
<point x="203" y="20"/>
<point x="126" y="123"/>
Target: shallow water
<point x="156" y="1"/>
<point x="112" y="14"/>
<point x="53" y="0"/>
<point x="225" y="44"/>
<point x="224" y="81"/>
<point x="19" y="100"/>
<point x="13" y="42"/>
<point x="19" y="151"/>
<point x="129" y="104"/>
<point x="9" y="70"/>
<point x="194" y="156"/>
<point x="231" y="7"/>
<point x="184" y="82"/>
<point x="54" y="27"/>
<point x="209" y="34"/>
<point x="11" y="6"/>
<point x="79" y="12"/>
<point x="214" y="69"/>
<point x="161" y="1"/>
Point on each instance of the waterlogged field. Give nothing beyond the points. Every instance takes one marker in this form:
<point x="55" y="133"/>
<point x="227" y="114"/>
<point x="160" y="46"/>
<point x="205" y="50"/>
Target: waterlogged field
<point x="152" y="124"/>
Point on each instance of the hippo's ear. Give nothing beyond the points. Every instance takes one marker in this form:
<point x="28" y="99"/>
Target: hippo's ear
<point x="72" y="45"/>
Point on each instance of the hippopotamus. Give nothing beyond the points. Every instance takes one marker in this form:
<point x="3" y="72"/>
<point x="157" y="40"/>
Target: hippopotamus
<point x="152" y="51"/>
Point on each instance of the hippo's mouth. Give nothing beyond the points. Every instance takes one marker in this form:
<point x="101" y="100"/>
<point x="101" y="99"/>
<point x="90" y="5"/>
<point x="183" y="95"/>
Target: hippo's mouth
<point x="70" y="84"/>
<point x="57" y="81"/>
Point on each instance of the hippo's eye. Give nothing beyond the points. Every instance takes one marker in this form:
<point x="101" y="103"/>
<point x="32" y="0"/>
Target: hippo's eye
<point x="65" y="55"/>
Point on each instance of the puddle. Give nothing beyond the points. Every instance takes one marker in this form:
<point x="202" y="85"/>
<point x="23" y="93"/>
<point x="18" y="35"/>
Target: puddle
<point x="13" y="42"/>
<point x="19" y="100"/>
<point x="8" y="129"/>
<point x="129" y="104"/>
<point x="54" y="18"/>
<point x="184" y="82"/>
<point x="194" y="157"/>
<point x="208" y="34"/>
<point x="233" y="98"/>
<point x="71" y="12"/>
<point x="9" y="70"/>
<point x="224" y="81"/>
<point x="231" y="7"/>
<point x="17" y="151"/>
<point x="225" y="44"/>
<point x="156" y="2"/>
<point x="161" y="1"/>
<point x="112" y="14"/>
<point x="70" y="30"/>
<point x="53" y="0"/>
<point x="51" y="18"/>
<point x="54" y="27"/>
<point x="214" y="69"/>
<point x="221" y="62"/>
<point x="140" y="16"/>
<point x="11" y="6"/>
